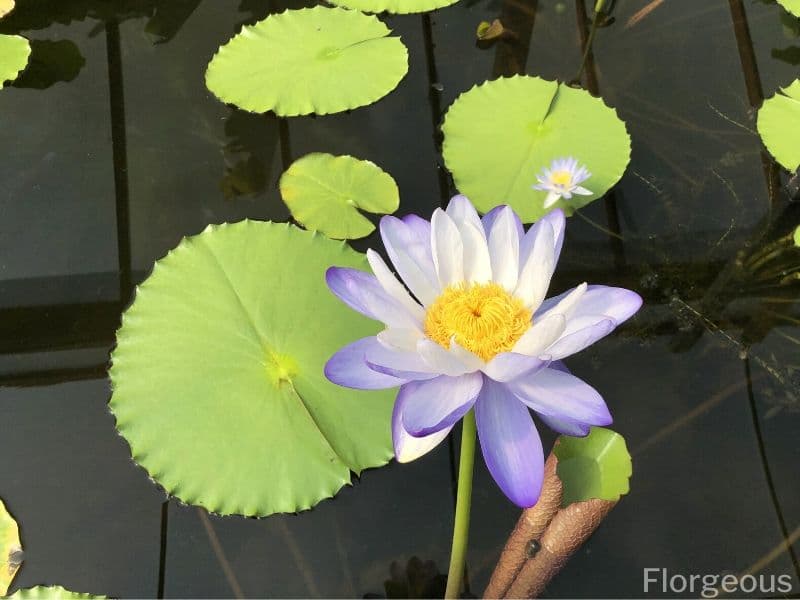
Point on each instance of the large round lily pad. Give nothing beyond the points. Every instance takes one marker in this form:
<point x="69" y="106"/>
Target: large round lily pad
<point x="595" y="466"/>
<point x="14" y="53"/>
<point x="10" y="549"/>
<point x="326" y="193"/>
<point x="218" y="381"/>
<point x="50" y="592"/>
<point x="500" y="135"/>
<point x="779" y="126"/>
<point x="400" y="7"/>
<point x="312" y="60"/>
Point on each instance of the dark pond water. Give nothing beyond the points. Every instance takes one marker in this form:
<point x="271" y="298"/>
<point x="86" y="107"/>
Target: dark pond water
<point x="113" y="150"/>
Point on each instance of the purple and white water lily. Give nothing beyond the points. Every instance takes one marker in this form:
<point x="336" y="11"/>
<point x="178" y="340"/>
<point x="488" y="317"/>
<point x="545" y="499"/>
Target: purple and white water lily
<point x="562" y="179"/>
<point x="469" y="327"/>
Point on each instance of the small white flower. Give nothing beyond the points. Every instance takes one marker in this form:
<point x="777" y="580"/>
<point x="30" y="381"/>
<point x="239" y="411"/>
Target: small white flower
<point x="562" y="179"/>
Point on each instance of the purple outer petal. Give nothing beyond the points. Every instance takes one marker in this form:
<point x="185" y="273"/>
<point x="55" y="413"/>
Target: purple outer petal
<point x="553" y="393"/>
<point x="430" y="406"/>
<point x="363" y="293"/>
<point x="619" y="304"/>
<point x="582" y="338"/>
<point x="398" y="363"/>
<point x="510" y="444"/>
<point x="566" y="426"/>
<point x="507" y="366"/>
<point x="490" y="217"/>
<point x="406" y="446"/>
<point x="348" y="368"/>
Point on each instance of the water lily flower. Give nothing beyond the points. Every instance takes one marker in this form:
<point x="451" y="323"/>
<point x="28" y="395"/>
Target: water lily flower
<point x="562" y="179"/>
<point x="471" y="328"/>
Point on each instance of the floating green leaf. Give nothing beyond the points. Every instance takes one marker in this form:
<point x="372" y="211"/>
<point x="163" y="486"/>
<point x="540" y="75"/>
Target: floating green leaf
<point x="313" y="60"/>
<point x="326" y="192"/>
<point x="52" y="592"/>
<point x="400" y="7"/>
<point x="14" y="53"/>
<point x="595" y="466"/>
<point x="779" y="126"/>
<point x="793" y="6"/>
<point x="499" y="135"/>
<point x="218" y="381"/>
<point x="797" y="237"/>
<point x="10" y="549"/>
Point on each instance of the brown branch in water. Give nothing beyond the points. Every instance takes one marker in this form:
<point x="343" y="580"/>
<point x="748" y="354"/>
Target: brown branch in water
<point x="641" y="14"/>
<point x="529" y="529"/>
<point x="568" y="531"/>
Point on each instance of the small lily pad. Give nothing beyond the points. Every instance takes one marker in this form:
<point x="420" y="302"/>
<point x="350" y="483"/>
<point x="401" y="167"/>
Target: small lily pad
<point x="10" y="549"/>
<point x="779" y="126"/>
<point x="326" y="192"/>
<point x="51" y="592"/>
<point x="399" y="7"/>
<point x="499" y="135"/>
<point x="797" y="237"/>
<point x="217" y="377"/>
<point x="14" y="53"/>
<point x="595" y="466"/>
<point x="793" y="6"/>
<point x="312" y="60"/>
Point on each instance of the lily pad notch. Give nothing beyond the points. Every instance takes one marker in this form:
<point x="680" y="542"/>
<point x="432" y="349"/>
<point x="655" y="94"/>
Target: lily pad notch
<point x="499" y="135"/>
<point x="326" y="193"/>
<point x="311" y="60"/>
<point x="217" y="377"/>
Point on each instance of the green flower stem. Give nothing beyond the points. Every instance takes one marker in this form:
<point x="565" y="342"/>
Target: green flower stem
<point x="463" y="502"/>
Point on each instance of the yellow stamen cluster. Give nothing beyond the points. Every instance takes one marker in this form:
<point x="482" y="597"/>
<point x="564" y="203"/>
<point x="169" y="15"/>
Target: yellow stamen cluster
<point x="483" y="318"/>
<point x="561" y="178"/>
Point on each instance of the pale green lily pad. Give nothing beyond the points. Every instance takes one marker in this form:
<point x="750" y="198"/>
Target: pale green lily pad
<point x="51" y="592"/>
<point x="217" y="376"/>
<point x="313" y="60"/>
<point x="793" y="6"/>
<point x="797" y="237"/>
<point x="595" y="466"/>
<point x="326" y="193"/>
<point x="779" y="126"/>
<point x="500" y="135"/>
<point x="10" y="549"/>
<point x="14" y="53"/>
<point x="399" y="7"/>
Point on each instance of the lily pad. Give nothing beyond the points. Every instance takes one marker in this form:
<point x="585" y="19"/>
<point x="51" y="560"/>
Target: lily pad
<point x="793" y="6"/>
<point x="779" y="125"/>
<point x="499" y="135"/>
<point x="797" y="236"/>
<point x="595" y="466"/>
<point x="326" y="192"/>
<point x="6" y="6"/>
<point x="217" y="376"/>
<point x="51" y="592"/>
<point x="312" y="60"/>
<point x="10" y="549"/>
<point x="399" y="7"/>
<point x="14" y="53"/>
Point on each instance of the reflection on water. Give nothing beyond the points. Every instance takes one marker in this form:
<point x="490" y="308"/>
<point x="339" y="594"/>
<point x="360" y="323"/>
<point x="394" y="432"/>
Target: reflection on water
<point x="125" y="152"/>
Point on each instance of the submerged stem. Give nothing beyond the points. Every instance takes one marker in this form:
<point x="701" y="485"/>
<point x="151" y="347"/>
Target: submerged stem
<point x="463" y="502"/>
